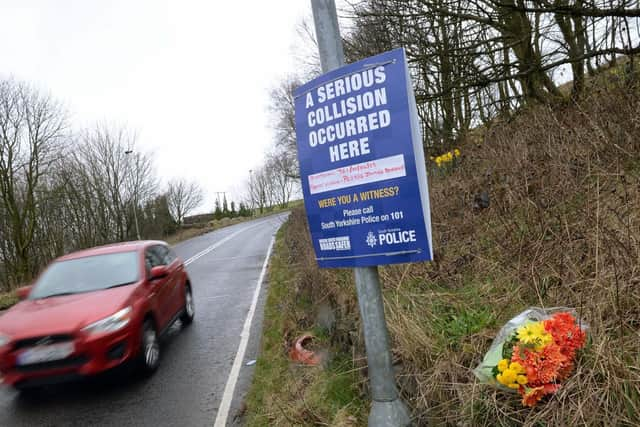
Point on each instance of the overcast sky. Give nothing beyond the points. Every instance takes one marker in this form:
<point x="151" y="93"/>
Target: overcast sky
<point x="192" y="77"/>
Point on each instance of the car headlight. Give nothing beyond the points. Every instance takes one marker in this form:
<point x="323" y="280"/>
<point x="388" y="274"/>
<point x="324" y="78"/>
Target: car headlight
<point x="4" y="340"/>
<point x="112" y="323"/>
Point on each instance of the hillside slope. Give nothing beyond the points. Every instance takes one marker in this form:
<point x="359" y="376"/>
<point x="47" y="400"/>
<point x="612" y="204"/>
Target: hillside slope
<point x="562" y="229"/>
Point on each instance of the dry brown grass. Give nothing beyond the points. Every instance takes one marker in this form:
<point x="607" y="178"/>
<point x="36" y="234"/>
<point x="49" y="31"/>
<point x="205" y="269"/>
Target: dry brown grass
<point x="562" y="229"/>
<point x="186" y="234"/>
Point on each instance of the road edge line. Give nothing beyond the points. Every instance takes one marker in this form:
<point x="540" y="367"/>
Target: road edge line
<point x="229" y="388"/>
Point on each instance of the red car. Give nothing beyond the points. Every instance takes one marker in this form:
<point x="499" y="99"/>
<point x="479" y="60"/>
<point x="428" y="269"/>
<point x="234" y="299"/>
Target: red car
<point x="93" y="310"/>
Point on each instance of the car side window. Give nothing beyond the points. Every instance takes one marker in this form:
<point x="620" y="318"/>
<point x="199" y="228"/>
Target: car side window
<point x="161" y="251"/>
<point x="171" y="256"/>
<point x="152" y="258"/>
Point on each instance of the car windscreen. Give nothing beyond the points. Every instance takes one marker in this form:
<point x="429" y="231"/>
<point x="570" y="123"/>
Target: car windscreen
<point x="87" y="274"/>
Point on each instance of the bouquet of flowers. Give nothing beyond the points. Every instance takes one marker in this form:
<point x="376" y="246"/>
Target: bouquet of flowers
<point x="534" y="352"/>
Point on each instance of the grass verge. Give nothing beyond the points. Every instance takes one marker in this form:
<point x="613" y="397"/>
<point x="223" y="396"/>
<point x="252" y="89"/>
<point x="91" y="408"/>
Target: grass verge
<point x="284" y="393"/>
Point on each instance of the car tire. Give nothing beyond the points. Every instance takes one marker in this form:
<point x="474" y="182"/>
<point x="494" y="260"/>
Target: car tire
<point x="149" y="357"/>
<point x="188" y="311"/>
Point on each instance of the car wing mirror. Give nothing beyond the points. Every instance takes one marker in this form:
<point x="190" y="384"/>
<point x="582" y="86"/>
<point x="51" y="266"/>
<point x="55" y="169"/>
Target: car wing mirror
<point x="23" y="292"/>
<point x="158" y="272"/>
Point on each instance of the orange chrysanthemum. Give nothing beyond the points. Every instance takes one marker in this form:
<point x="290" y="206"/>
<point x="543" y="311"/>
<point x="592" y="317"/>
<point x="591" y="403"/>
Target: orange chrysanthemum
<point x="531" y="396"/>
<point x="541" y="367"/>
<point x="565" y="370"/>
<point x="566" y="333"/>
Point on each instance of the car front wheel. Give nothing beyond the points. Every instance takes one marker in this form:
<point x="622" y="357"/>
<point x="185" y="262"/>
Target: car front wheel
<point x="188" y="312"/>
<point x="150" y="348"/>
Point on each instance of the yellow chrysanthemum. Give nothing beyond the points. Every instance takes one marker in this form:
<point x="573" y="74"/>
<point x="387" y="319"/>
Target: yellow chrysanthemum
<point x="515" y="366"/>
<point x="534" y="334"/>
<point x="545" y="339"/>
<point x="509" y="376"/>
<point x="456" y="152"/>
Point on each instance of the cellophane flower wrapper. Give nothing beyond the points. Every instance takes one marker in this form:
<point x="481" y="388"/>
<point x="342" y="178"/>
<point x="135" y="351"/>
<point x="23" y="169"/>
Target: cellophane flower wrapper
<point x="484" y="371"/>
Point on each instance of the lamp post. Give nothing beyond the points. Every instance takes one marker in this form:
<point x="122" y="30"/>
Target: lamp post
<point x="251" y="188"/>
<point x="135" y="201"/>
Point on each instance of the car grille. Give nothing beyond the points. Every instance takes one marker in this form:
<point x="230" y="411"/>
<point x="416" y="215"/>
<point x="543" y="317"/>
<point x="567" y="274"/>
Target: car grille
<point x="50" y="339"/>
<point x="48" y="380"/>
<point x="69" y="362"/>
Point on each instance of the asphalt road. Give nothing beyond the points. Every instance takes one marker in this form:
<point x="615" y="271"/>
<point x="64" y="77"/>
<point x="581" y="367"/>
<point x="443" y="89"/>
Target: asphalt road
<point x="188" y="388"/>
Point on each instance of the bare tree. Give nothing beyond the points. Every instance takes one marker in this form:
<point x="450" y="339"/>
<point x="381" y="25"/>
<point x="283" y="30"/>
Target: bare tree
<point x="283" y="176"/>
<point x="283" y="111"/>
<point x="119" y="183"/>
<point x="474" y="60"/>
<point x="32" y="135"/>
<point x="62" y="191"/>
<point x="183" y="197"/>
<point x="259" y="189"/>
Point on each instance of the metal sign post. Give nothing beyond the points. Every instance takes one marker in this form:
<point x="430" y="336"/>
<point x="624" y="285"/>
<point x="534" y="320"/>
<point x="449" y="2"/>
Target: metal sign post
<point x="387" y="408"/>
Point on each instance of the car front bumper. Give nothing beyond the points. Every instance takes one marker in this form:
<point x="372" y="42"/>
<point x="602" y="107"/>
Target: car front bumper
<point x="91" y="355"/>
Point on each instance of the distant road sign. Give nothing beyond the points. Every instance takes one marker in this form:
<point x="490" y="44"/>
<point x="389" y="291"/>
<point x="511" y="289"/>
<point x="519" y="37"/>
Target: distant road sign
<point x="362" y="165"/>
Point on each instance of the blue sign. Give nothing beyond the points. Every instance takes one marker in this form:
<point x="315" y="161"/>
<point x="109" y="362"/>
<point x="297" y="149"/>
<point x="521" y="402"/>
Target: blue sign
<point x="362" y="165"/>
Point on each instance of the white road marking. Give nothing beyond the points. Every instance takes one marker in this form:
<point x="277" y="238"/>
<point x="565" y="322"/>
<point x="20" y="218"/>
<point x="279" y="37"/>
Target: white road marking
<point x="218" y="243"/>
<point x="235" y="258"/>
<point x="214" y="297"/>
<point x="229" y="388"/>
